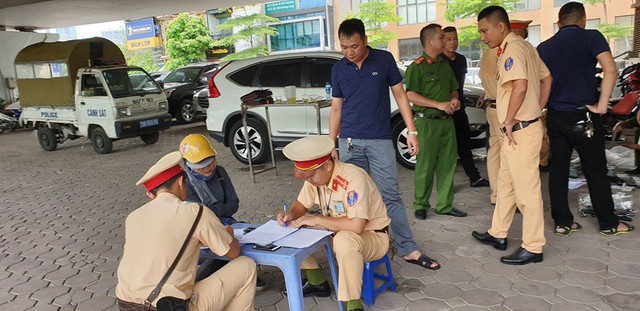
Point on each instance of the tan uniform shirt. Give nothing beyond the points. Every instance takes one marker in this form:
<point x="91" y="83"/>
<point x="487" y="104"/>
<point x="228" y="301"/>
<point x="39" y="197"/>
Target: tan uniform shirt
<point x="154" y="234"/>
<point x="488" y="74"/>
<point x="351" y="193"/>
<point x="519" y="60"/>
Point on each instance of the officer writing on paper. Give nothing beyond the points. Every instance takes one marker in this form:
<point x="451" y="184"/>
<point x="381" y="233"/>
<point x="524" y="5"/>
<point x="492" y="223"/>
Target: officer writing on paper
<point x="154" y="234"/>
<point x="351" y="207"/>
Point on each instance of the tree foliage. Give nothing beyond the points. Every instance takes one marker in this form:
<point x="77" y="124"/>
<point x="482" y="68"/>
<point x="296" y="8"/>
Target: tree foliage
<point x="139" y="58"/>
<point x="459" y="9"/>
<point x="615" y="30"/>
<point x="187" y="41"/>
<point x="375" y="15"/>
<point x="251" y="29"/>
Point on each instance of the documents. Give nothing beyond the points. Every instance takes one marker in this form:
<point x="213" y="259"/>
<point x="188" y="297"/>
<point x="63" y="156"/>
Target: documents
<point x="265" y="234"/>
<point x="302" y="238"/>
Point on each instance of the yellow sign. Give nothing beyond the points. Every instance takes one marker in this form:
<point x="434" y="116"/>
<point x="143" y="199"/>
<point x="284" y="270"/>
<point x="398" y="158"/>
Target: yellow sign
<point x="143" y="43"/>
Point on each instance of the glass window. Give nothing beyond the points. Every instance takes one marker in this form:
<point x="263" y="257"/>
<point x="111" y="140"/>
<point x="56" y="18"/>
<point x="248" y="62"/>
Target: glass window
<point x="59" y="70"/>
<point x="183" y="75"/>
<point x="297" y="35"/>
<point x="409" y="49"/>
<point x="281" y="73"/>
<point x="622" y="45"/>
<point x="320" y="71"/>
<point x="592" y="23"/>
<point x="129" y="82"/>
<point x="42" y="71"/>
<point x="534" y="35"/>
<point x="92" y="86"/>
<point x="306" y="4"/>
<point x="526" y="5"/>
<point x="24" y="71"/>
<point x="244" y="76"/>
<point x="416" y="11"/>
<point x="559" y="3"/>
<point x="472" y="53"/>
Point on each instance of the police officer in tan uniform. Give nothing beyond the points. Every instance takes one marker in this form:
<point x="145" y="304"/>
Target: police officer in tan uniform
<point x="351" y="206"/>
<point x="154" y="234"/>
<point x="524" y="83"/>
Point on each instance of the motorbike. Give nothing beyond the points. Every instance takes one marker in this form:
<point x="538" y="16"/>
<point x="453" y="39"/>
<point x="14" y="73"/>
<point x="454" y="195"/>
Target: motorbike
<point x="628" y="83"/>
<point x="8" y="121"/>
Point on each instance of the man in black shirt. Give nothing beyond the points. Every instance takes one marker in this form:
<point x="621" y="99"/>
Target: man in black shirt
<point x="460" y="119"/>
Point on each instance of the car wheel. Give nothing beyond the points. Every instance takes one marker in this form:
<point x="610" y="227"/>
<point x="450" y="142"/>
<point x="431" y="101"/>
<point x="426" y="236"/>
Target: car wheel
<point x="399" y="132"/>
<point x="186" y="112"/>
<point x="47" y="138"/>
<point x="150" y="138"/>
<point x="258" y="142"/>
<point x="101" y="143"/>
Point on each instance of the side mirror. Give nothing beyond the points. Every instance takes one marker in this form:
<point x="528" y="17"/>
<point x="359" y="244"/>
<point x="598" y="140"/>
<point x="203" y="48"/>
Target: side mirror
<point x="204" y="81"/>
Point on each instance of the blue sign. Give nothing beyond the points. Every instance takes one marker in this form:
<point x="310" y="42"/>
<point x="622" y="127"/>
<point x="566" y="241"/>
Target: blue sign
<point x="140" y="29"/>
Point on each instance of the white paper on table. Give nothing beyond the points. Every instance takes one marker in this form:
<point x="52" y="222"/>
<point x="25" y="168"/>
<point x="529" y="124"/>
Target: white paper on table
<point x="267" y="233"/>
<point x="302" y="238"/>
<point x="238" y="233"/>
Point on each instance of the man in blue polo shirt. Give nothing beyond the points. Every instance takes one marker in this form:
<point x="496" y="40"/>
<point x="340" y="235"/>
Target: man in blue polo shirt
<point x="361" y="114"/>
<point x="573" y="119"/>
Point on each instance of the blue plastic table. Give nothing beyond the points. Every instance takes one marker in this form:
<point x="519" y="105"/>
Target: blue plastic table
<point x="289" y="260"/>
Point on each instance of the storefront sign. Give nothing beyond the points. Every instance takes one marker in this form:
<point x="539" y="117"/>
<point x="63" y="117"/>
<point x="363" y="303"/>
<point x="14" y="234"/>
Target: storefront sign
<point x="280" y="6"/>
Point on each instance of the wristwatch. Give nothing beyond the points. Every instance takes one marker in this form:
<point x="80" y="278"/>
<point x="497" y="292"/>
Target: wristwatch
<point x="412" y="133"/>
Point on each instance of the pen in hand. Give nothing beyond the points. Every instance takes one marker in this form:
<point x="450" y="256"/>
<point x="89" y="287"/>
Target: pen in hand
<point x="285" y="214"/>
<point x="226" y="221"/>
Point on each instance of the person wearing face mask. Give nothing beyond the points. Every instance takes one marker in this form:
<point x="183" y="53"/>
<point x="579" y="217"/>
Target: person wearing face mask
<point x="209" y="184"/>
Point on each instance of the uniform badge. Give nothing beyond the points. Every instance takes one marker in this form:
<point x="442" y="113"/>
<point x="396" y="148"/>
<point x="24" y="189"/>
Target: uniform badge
<point x="508" y="64"/>
<point x="338" y="207"/>
<point x="429" y="61"/>
<point x="339" y="182"/>
<point x="419" y="60"/>
<point x="352" y="198"/>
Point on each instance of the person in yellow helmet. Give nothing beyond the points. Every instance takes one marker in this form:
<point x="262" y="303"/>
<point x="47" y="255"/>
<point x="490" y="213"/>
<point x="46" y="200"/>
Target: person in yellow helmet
<point x="208" y="183"/>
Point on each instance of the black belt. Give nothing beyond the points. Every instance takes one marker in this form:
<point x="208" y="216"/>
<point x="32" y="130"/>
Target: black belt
<point x="491" y="103"/>
<point x="383" y="230"/>
<point x="428" y="116"/>
<point x="520" y="125"/>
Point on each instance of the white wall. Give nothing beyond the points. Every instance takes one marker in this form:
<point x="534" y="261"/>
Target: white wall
<point x="12" y="43"/>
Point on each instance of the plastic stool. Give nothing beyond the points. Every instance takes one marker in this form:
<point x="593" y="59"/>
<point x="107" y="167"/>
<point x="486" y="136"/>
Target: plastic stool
<point x="369" y="292"/>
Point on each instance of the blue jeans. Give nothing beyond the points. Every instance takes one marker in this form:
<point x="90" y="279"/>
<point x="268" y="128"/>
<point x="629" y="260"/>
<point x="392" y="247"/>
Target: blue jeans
<point x="378" y="157"/>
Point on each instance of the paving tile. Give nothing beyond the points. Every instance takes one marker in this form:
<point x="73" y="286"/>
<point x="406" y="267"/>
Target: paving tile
<point x="390" y="300"/>
<point x="497" y="268"/>
<point x="586" y="264"/>
<point x="470" y="308"/>
<point x="48" y="294"/>
<point x="539" y="273"/>
<point x="455" y="302"/>
<point x="533" y="288"/>
<point x="492" y="282"/>
<point x="583" y="279"/>
<point x="29" y="287"/>
<point x="570" y="306"/>
<point x="526" y="303"/>
<point x="482" y="297"/>
<point x="96" y="303"/>
<point x="5" y="297"/>
<point x="625" y="269"/>
<point x="19" y="304"/>
<point x="624" y="285"/>
<point x="579" y="294"/>
<point x="623" y="301"/>
<point x="453" y="276"/>
<point x="441" y="291"/>
<point x="632" y="245"/>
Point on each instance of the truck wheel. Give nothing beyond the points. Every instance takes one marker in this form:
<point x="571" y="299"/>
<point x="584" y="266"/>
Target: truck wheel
<point x="102" y="144"/>
<point x="47" y="138"/>
<point x="186" y="112"/>
<point x="258" y="142"/>
<point x="399" y="134"/>
<point x="150" y="138"/>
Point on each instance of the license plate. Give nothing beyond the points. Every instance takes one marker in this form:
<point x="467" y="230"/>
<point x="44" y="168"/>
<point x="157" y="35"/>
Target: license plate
<point x="148" y="123"/>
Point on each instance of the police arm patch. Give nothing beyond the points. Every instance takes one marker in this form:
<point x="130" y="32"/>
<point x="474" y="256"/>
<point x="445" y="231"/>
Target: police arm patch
<point x="508" y="64"/>
<point x="352" y="198"/>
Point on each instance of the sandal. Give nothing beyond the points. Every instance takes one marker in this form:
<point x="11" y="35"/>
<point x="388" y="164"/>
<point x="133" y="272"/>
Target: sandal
<point x="615" y="231"/>
<point x="425" y="262"/>
<point x="564" y="230"/>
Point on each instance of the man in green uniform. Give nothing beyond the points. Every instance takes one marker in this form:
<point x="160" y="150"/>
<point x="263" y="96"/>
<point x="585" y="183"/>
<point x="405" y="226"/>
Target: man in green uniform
<point x="432" y="87"/>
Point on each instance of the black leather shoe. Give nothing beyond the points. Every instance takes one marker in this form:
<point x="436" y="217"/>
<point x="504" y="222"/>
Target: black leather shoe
<point x="455" y="213"/>
<point x="308" y="290"/>
<point x="500" y="244"/>
<point x="480" y="182"/>
<point x="521" y="257"/>
<point x="421" y="214"/>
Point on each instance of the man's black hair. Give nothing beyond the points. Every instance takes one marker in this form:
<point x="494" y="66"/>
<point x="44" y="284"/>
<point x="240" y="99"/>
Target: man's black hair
<point x="571" y="13"/>
<point x="450" y="29"/>
<point x="351" y="26"/>
<point x="168" y="184"/>
<point x="427" y="32"/>
<point x="495" y="14"/>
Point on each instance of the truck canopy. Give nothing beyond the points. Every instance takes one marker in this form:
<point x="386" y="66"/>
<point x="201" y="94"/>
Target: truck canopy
<point x="46" y="72"/>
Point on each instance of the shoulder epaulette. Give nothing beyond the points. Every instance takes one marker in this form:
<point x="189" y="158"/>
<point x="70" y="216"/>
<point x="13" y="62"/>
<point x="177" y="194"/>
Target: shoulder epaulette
<point x="419" y="60"/>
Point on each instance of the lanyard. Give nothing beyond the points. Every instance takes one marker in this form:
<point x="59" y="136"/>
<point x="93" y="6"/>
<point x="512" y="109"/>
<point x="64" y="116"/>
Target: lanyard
<point x="326" y="205"/>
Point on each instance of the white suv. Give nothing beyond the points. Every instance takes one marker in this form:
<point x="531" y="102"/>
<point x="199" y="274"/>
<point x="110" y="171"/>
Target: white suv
<point x="309" y="72"/>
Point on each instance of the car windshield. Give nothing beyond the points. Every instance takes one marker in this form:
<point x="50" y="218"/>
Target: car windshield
<point x="182" y="75"/>
<point x="129" y="82"/>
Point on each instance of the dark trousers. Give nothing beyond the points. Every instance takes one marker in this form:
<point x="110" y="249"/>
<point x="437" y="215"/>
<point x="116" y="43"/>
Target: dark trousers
<point x="461" y="122"/>
<point x="564" y="136"/>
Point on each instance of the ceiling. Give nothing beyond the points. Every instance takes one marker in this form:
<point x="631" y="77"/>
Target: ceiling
<point x="37" y="14"/>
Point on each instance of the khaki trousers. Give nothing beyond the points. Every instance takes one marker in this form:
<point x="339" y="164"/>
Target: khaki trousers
<point x="493" y="154"/>
<point x="352" y="251"/>
<point x="519" y="184"/>
<point x="232" y="288"/>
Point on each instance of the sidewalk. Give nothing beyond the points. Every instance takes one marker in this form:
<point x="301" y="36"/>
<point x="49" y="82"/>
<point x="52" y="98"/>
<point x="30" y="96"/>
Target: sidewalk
<point x="62" y="231"/>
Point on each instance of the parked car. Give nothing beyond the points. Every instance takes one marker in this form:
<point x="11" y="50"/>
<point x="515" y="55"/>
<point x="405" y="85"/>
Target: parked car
<point x="180" y="86"/>
<point x="201" y="102"/>
<point x="159" y="75"/>
<point x="309" y="72"/>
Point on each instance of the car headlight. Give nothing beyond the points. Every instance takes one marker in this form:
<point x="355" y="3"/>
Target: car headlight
<point x="162" y="105"/>
<point x="123" y="112"/>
